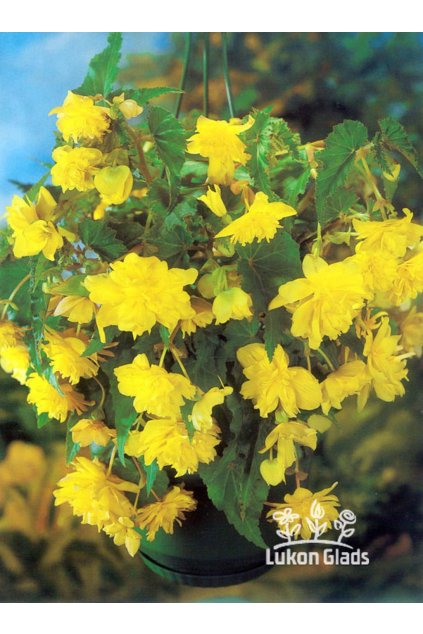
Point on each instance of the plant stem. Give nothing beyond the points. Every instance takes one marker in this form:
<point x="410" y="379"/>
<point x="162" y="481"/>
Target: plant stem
<point x="226" y="77"/>
<point x="188" y="43"/>
<point x="326" y="358"/>
<point x="111" y="461"/>
<point x="178" y="360"/>
<point x="103" y="392"/>
<point x="142" y="163"/>
<point x="162" y="358"/>
<point x="13" y="293"/>
<point x="206" y="49"/>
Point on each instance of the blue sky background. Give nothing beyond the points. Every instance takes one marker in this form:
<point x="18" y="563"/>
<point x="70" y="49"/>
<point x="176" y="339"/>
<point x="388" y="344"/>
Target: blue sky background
<point x="36" y="71"/>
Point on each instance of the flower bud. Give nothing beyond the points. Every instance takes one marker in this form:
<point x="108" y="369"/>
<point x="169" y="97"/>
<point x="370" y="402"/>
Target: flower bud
<point x="114" y="184"/>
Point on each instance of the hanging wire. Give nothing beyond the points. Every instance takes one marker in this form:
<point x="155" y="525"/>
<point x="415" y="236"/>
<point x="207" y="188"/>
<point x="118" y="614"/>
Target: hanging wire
<point x="187" y="56"/>
<point x="206" y="51"/>
<point x="226" y="77"/>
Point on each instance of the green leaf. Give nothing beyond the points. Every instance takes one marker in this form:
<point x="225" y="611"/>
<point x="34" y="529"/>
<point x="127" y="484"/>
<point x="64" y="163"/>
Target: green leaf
<point x="203" y="366"/>
<point x="42" y="420"/>
<point x="396" y="138"/>
<point x="151" y="472"/>
<point x="72" y="448"/>
<point x="235" y="486"/>
<point x="336" y="161"/>
<point x="165" y="335"/>
<point x="74" y="285"/>
<point x="381" y="154"/>
<point x="241" y="333"/>
<point x="258" y="146"/>
<point x="32" y="192"/>
<point x="339" y="202"/>
<point x="94" y="345"/>
<point x="143" y="95"/>
<point x="169" y="138"/>
<point x="5" y="246"/>
<point x="11" y="273"/>
<point x="275" y="323"/>
<point x="103" y="69"/>
<point x="124" y="416"/>
<point x="102" y="239"/>
<point x="295" y="186"/>
<point x="265" y="266"/>
<point x="284" y="139"/>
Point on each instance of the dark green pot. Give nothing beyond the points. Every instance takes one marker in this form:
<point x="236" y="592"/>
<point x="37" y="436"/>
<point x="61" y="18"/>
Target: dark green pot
<point x="205" y="551"/>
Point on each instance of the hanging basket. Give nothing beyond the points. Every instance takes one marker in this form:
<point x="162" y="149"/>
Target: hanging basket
<point x="206" y="551"/>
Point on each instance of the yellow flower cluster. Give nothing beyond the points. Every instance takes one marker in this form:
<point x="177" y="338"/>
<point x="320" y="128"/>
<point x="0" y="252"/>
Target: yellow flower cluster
<point x="80" y="118"/>
<point x="165" y="512"/>
<point x="260" y="222"/>
<point x="274" y="385"/>
<point x="82" y="168"/>
<point x="65" y="351"/>
<point x="33" y="228"/>
<point x="48" y="400"/>
<point x="219" y="142"/>
<point x="99" y="499"/>
<point x="390" y="255"/>
<point x="167" y="441"/>
<point x="140" y="292"/>
<point x="284" y="436"/>
<point x="325" y="302"/>
<point x="14" y="355"/>
<point x="157" y="392"/>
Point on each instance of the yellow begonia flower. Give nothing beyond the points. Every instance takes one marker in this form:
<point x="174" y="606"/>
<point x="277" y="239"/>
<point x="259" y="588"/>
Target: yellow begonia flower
<point x="392" y="237"/>
<point x="10" y="334"/>
<point x="273" y="384"/>
<point x="201" y="416"/>
<point x="167" y="441"/>
<point x="156" y="391"/>
<point x="15" y="361"/>
<point x="122" y="531"/>
<point x="24" y="463"/>
<point x="408" y="281"/>
<point x="114" y="184"/>
<point x="303" y="504"/>
<point x="203" y="316"/>
<point x="350" y="378"/>
<point x="93" y="494"/>
<point x="213" y="200"/>
<point x="33" y="229"/>
<point x="76" y="309"/>
<point x="379" y="269"/>
<point x="79" y="118"/>
<point x="232" y="304"/>
<point x="411" y="327"/>
<point x="326" y="301"/>
<point x="386" y="368"/>
<point x="165" y="512"/>
<point x="65" y="350"/>
<point x="259" y="223"/>
<point x="88" y="430"/>
<point x="138" y="293"/>
<point x="219" y="142"/>
<point x="48" y="400"/>
<point x="75" y="167"/>
<point x="284" y="436"/>
<point x="128" y="107"/>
